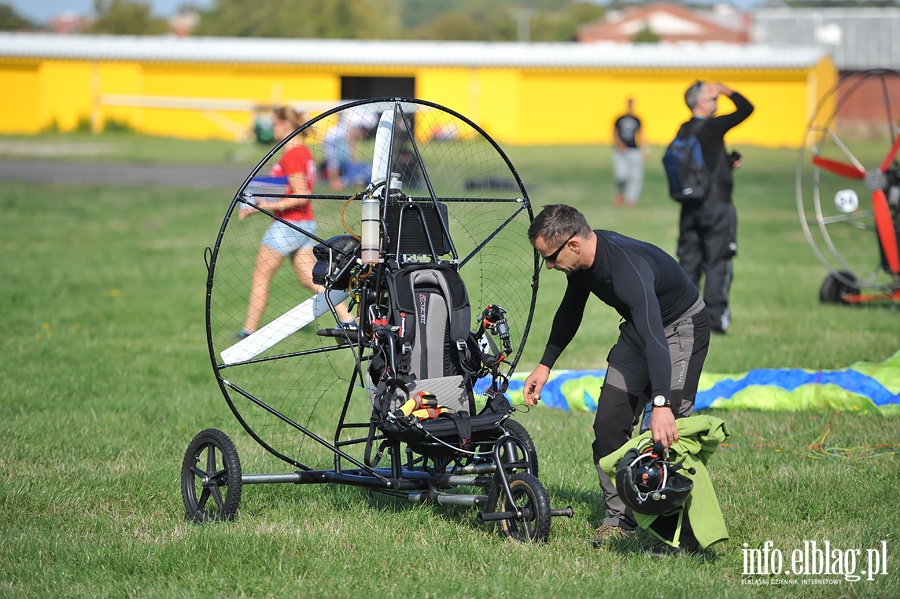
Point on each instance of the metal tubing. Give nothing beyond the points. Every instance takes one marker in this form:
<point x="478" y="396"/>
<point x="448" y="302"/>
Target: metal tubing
<point x="482" y="468"/>
<point x="459" y="481"/>
<point x="521" y="514"/>
<point x="448" y="498"/>
<point x="260" y="479"/>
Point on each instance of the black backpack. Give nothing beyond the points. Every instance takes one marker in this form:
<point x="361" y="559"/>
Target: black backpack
<point x="688" y="174"/>
<point x="430" y="315"/>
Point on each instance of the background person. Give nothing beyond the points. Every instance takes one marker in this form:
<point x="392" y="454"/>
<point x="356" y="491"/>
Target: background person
<point x="707" y="229"/>
<point x="628" y="156"/>
<point x="280" y="240"/>
<point x="341" y="163"/>
<point x="662" y="344"/>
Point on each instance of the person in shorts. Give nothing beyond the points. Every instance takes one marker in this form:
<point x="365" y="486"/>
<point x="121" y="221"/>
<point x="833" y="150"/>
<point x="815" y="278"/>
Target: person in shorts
<point x="298" y="168"/>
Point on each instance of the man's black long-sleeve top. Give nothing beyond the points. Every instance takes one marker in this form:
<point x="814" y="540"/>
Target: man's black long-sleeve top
<point x="711" y="136"/>
<point x="643" y="284"/>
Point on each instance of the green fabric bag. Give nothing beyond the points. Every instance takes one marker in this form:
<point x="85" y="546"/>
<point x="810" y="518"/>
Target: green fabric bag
<point x="698" y="438"/>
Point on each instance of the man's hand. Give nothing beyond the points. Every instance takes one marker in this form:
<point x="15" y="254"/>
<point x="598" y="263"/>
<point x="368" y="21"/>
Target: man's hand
<point x="534" y="383"/>
<point x="662" y="425"/>
<point x="722" y="90"/>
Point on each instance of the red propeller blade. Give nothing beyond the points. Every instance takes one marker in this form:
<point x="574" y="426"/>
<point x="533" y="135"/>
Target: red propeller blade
<point x="886" y="164"/>
<point x="885" y="227"/>
<point x="840" y="168"/>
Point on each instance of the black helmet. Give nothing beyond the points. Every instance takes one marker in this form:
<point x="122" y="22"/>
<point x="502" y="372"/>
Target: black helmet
<point x="648" y="484"/>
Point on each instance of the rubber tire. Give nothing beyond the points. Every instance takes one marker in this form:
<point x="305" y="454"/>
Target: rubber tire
<point x="516" y="429"/>
<point x="223" y="484"/>
<point x="833" y="289"/>
<point x="527" y="491"/>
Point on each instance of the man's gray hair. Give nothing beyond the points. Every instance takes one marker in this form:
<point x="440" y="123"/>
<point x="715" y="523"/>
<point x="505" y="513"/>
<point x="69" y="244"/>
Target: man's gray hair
<point x="692" y="95"/>
<point x="556" y="222"/>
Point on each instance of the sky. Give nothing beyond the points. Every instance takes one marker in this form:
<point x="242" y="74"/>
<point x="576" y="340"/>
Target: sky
<point x="41" y="11"/>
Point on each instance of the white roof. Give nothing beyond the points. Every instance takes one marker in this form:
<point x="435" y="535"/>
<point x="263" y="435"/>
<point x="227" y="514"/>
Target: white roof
<point x="856" y="38"/>
<point x="404" y="53"/>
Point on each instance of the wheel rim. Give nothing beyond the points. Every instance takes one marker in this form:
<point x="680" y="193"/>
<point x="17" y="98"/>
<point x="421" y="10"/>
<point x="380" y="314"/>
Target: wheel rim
<point x="528" y="495"/>
<point x="211" y="479"/>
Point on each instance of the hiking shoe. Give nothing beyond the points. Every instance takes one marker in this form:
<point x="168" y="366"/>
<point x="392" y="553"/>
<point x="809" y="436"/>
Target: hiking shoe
<point x="608" y="533"/>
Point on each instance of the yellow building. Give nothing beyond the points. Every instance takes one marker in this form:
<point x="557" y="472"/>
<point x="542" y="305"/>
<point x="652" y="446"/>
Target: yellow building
<point x="520" y="93"/>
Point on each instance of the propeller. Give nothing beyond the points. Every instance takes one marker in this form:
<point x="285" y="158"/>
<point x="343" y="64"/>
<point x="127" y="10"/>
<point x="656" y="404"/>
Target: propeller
<point x="839" y="168"/>
<point x="884" y="224"/>
<point x="885" y="227"/>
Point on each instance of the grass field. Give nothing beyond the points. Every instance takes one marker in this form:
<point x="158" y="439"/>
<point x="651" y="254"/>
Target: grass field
<point x="105" y="378"/>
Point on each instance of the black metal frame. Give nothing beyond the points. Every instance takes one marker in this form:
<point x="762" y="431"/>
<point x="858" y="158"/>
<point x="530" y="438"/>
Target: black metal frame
<point x="499" y="455"/>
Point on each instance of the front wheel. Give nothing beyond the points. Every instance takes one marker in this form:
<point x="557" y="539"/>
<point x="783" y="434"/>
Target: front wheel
<point x="530" y="496"/>
<point x="211" y="470"/>
<point x="516" y="429"/>
<point x="837" y="287"/>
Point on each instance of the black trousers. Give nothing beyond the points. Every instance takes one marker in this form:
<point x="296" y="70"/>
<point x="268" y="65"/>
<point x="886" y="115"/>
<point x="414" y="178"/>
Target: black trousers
<point x="707" y="243"/>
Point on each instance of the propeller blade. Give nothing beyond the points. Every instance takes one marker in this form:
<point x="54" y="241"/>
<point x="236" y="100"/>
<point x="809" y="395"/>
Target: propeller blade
<point x="839" y="168"/>
<point x="885" y="227"/>
<point x="886" y="164"/>
<point x="381" y="158"/>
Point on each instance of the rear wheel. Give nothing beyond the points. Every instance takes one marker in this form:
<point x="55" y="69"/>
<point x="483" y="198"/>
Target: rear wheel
<point x="529" y="496"/>
<point x="211" y="477"/>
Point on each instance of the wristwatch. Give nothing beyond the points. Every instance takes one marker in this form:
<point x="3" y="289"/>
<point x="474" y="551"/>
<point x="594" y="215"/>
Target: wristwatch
<point x="661" y="402"/>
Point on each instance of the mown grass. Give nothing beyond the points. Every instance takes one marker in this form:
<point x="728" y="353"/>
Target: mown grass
<point x="105" y="378"/>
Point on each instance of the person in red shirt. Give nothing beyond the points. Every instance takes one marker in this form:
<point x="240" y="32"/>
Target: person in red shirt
<point x="298" y="168"/>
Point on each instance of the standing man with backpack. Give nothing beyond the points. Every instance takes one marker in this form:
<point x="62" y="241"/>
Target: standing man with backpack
<point x="707" y="237"/>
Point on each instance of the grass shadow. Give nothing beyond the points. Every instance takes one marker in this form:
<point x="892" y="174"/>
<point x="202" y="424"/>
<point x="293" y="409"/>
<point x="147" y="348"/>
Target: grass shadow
<point x="592" y="500"/>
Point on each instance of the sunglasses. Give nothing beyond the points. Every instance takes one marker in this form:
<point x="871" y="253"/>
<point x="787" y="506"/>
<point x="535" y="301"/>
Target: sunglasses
<point x="552" y="257"/>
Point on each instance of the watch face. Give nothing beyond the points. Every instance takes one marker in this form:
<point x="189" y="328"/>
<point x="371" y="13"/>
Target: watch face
<point x="659" y="400"/>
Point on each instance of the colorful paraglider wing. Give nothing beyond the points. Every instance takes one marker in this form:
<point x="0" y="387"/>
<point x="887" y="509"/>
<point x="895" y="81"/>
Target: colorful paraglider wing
<point x="861" y="387"/>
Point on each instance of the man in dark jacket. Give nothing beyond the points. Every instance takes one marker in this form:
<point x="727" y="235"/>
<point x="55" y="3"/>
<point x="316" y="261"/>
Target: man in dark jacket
<point x="663" y="337"/>
<point x="707" y="237"/>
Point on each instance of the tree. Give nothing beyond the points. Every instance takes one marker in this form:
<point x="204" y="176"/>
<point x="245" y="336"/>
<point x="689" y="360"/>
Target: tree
<point x="455" y="26"/>
<point x="348" y="19"/>
<point x="561" y="25"/>
<point x="10" y="20"/>
<point x="645" y="36"/>
<point x="473" y="20"/>
<point x="126" y="17"/>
